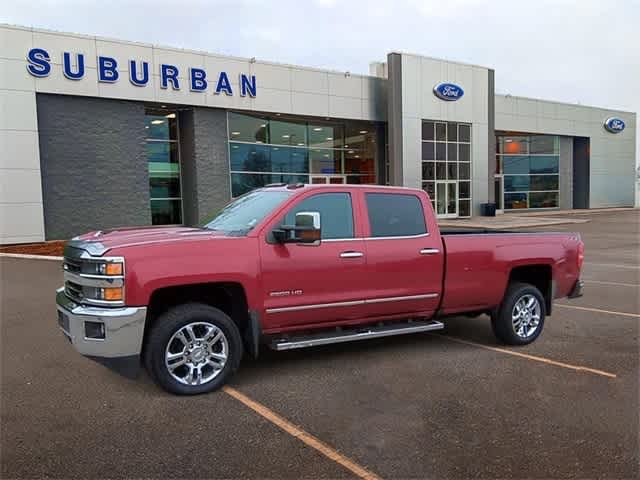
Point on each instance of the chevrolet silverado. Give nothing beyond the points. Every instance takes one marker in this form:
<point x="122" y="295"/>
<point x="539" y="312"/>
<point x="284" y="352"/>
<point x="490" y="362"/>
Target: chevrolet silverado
<point x="292" y="266"/>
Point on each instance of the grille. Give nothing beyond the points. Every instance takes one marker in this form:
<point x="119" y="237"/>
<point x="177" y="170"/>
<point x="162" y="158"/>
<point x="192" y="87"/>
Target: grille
<point x="72" y="265"/>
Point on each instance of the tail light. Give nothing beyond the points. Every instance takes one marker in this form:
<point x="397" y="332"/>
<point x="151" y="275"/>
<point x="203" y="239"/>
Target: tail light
<point x="580" y="255"/>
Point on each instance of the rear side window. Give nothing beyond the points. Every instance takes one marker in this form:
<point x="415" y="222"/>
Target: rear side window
<point x="336" y="214"/>
<point x="395" y="215"/>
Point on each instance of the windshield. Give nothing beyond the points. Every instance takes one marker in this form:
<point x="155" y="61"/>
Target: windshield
<point x="241" y="215"/>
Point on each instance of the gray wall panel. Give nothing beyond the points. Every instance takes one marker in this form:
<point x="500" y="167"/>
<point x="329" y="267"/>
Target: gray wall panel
<point x="211" y="161"/>
<point x="94" y="165"/>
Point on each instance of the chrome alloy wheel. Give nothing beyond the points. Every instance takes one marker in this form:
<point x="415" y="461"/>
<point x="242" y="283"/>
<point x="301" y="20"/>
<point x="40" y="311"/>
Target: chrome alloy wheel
<point x="196" y="353"/>
<point x="525" y="316"/>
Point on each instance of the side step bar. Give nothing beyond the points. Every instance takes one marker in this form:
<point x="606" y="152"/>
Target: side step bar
<point x="340" y="336"/>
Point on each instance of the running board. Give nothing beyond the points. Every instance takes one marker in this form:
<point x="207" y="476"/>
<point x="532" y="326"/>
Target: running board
<point x="326" y="338"/>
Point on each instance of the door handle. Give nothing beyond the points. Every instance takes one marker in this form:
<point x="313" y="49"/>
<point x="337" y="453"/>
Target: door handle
<point x="351" y="254"/>
<point x="429" y="251"/>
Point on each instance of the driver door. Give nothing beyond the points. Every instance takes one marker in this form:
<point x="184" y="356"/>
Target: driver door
<point x="315" y="284"/>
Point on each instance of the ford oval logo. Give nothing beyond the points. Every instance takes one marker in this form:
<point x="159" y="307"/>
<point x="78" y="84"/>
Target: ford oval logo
<point x="614" y="125"/>
<point x="448" y="91"/>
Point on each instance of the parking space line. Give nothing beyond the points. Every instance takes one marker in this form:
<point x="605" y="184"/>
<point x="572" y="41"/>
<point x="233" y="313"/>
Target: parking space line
<point x="615" y="265"/>
<point x="618" y="284"/>
<point x="526" y="356"/>
<point x="301" y="435"/>
<point x="597" y="310"/>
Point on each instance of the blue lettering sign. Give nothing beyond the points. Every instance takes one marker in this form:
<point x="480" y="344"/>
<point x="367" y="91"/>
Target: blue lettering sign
<point x="39" y="65"/>
<point x="198" y="82"/>
<point x="133" y="73"/>
<point x="67" y="67"/>
<point x="74" y="68"/>
<point x="247" y="85"/>
<point x="169" y="73"/>
<point x="224" y="84"/>
<point x="614" y="124"/>
<point x="107" y="70"/>
<point x="448" y="91"/>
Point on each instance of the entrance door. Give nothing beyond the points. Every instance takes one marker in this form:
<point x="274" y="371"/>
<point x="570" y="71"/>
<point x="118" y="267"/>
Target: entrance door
<point x="498" y="185"/>
<point x="447" y="198"/>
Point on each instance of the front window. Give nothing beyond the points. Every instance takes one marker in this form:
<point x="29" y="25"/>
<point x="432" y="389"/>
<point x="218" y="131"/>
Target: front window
<point x="275" y="149"/>
<point x="336" y="214"/>
<point x="530" y="167"/>
<point x="163" y="158"/>
<point x="243" y="214"/>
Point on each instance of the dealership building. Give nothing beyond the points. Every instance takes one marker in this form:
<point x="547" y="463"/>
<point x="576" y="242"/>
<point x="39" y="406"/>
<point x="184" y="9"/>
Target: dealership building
<point x="100" y="133"/>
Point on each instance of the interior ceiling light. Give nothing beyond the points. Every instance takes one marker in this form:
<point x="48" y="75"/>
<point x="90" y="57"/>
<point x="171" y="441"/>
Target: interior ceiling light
<point x="170" y="115"/>
<point x="363" y="131"/>
<point x="301" y="144"/>
<point x="285" y="136"/>
<point x="317" y="129"/>
<point x="157" y="122"/>
<point x="350" y="151"/>
<point x="329" y="138"/>
<point x="263" y="125"/>
<point x="235" y="133"/>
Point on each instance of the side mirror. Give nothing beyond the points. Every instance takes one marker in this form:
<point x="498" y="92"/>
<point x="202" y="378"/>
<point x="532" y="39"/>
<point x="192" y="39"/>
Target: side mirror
<point x="306" y="230"/>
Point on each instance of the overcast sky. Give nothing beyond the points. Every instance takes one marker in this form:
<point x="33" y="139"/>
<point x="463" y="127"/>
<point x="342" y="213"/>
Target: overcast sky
<point x="583" y="51"/>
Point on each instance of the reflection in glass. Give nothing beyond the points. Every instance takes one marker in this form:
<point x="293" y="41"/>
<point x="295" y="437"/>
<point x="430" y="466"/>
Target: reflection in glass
<point x="160" y="125"/>
<point x="464" y="152"/>
<point x="428" y="131"/>
<point x="441" y="171"/>
<point x="465" y="189"/>
<point x="247" y="128"/>
<point x="428" y="151"/>
<point x="441" y="132"/>
<point x="287" y="133"/>
<point x="543" y="200"/>
<point x="515" y="201"/>
<point x="166" y="212"/>
<point x="428" y="170"/>
<point x="452" y="170"/>
<point x="464" y="208"/>
<point x="441" y="151"/>
<point x="464" y="133"/>
<point x="242" y="183"/>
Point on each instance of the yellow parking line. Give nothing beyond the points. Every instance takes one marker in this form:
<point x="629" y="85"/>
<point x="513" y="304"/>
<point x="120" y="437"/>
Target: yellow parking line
<point x="548" y="361"/>
<point x="619" y="284"/>
<point x="301" y="435"/>
<point x="597" y="310"/>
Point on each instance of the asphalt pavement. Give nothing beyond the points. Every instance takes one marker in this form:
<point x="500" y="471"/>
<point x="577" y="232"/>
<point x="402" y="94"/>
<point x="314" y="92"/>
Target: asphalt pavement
<point x="454" y="404"/>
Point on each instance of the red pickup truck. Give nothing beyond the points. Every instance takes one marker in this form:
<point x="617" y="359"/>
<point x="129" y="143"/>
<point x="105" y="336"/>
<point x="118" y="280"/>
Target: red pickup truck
<point x="291" y="266"/>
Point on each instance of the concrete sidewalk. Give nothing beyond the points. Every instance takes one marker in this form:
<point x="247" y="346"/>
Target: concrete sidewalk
<point x="505" y="222"/>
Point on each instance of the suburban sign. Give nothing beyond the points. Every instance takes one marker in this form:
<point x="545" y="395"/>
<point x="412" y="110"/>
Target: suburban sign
<point x="448" y="91"/>
<point x="108" y="71"/>
<point x="614" y="125"/>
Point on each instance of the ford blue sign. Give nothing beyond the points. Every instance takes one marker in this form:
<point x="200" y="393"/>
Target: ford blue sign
<point x="614" y="125"/>
<point x="448" y="91"/>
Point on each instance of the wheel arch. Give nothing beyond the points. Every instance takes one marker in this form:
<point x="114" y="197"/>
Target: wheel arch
<point x="538" y="275"/>
<point x="229" y="297"/>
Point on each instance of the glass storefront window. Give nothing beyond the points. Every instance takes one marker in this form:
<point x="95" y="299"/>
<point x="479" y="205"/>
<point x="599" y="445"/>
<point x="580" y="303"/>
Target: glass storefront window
<point x="287" y="133"/>
<point x="161" y="126"/>
<point x="163" y="160"/>
<point x="446" y="159"/>
<point x="272" y="149"/>
<point x="247" y="128"/>
<point x="530" y="169"/>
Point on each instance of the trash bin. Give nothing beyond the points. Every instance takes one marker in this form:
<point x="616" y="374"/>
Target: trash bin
<point x="488" y="209"/>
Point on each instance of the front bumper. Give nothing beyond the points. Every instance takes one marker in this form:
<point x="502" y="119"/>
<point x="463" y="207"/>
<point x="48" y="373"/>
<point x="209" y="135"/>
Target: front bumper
<point x="576" y="291"/>
<point x="123" y="330"/>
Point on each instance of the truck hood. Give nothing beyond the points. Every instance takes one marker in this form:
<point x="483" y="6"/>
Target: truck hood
<point x="101" y="241"/>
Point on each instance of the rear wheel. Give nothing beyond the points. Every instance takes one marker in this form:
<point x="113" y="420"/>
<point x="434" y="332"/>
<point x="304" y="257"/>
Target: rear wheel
<point x="193" y="348"/>
<point x="520" y="318"/>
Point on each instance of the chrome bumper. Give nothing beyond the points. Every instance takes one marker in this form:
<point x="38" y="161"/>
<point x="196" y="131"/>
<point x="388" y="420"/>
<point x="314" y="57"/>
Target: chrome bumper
<point x="577" y="289"/>
<point x="123" y="328"/>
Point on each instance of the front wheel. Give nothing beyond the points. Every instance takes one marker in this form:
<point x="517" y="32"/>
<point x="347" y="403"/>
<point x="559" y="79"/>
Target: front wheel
<point x="520" y="318"/>
<point x="193" y="348"/>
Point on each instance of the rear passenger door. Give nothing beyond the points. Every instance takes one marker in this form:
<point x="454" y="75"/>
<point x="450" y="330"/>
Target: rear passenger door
<point x="404" y="261"/>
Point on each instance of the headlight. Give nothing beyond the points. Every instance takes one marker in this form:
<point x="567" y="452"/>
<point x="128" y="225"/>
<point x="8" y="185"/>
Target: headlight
<point x="94" y="281"/>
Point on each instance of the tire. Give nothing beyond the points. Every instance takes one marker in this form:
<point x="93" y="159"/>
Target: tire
<point x="514" y="328"/>
<point x="192" y="349"/>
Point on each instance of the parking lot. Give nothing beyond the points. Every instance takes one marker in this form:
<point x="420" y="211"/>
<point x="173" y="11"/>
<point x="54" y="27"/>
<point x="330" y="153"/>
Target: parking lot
<point x="447" y="405"/>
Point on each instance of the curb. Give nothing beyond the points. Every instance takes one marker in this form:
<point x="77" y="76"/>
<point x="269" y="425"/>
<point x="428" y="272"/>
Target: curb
<point x="30" y="257"/>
